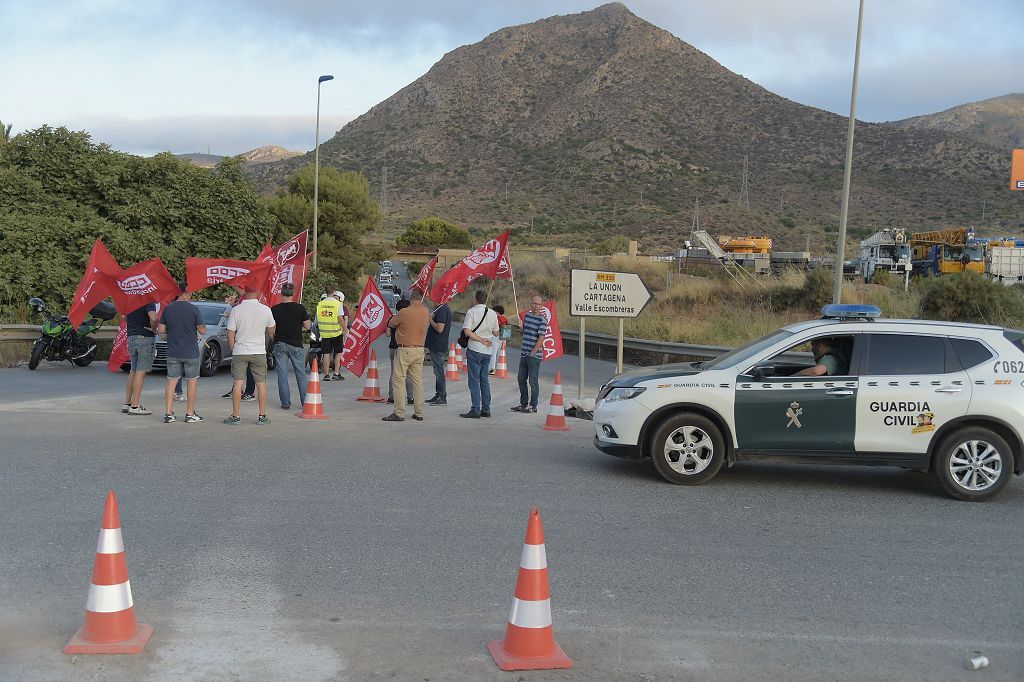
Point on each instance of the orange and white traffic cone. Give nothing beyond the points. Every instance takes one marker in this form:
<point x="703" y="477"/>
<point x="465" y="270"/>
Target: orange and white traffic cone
<point x="529" y="642"/>
<point x="313" y="405"/>
<point x="110" y="626"/>
<point x="501" y="369"/>
<point x="451" y="370"/>
<point x="556" y="412"/>
<point x="461" y="360"/>
<point x="371" y="387"/>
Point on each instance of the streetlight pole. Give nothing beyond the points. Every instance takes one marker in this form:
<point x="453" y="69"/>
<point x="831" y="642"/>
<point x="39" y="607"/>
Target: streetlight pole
<point x="316" y="167"/>
<point x="837" y="284"/>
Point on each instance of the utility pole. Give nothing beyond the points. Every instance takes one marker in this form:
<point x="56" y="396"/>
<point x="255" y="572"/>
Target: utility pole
<point x="695" y="225"/>
<point x="384" y="191"/>
<point x="983" y="211"/>
<point x="744" y="199"/>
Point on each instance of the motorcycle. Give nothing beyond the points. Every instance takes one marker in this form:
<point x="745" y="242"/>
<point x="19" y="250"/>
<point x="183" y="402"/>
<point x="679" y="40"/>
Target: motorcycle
<point x="59" y="340"/>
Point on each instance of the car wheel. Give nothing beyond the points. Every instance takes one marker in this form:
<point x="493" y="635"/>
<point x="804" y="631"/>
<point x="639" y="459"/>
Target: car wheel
<point x="211" y="360"/>
<point x="688" y="449"/>
<point x="973" y="463"/>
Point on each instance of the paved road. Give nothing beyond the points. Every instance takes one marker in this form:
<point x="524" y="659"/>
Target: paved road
<point x="351" y="549"/>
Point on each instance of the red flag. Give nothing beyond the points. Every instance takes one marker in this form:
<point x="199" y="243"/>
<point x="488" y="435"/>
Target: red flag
<point x="370" y="321"/>
<point x="553" y="337"/>
<point x="426" y="276"/>
<point x="145" y="282"/>
<point x="484" y="262"/>
<point x="288" y="263"/>
<point x="207" y="272"/>
<point x="504" y="266"/>
<point x="93" y="289"/>
<point x="119" y="351"/>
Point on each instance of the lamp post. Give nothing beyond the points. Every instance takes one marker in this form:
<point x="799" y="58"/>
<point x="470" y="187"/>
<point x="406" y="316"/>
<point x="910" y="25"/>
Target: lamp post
<point x="316" y="166"/>
<point x="837" y="283"/>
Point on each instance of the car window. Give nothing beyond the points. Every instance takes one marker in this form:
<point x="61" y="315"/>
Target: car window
<point x="837" y="354"/>
<point x="738" y="355"/>
<point x="971" y="353"/>
<point x="211" y="314"/>
<point x="905" y="354"/>
<point x="1014" y="336"/>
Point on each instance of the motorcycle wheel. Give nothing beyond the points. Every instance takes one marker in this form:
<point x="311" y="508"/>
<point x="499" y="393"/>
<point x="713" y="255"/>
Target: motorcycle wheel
<point x="85" y="360"/>
<point x="37" y="354"/>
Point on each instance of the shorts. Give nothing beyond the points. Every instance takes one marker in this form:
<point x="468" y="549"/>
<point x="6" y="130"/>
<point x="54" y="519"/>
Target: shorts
<point x="335" y="344"/>
<point x="141" y="351"/>
<point x="187" y="366"/>
<point x="257" y="364"/>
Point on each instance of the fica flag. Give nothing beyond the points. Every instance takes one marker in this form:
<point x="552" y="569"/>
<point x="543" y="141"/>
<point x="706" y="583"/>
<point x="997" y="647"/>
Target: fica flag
<point x="289" y="264"/>
<point x="371" y="320"/>
<point x="552" y="344"/>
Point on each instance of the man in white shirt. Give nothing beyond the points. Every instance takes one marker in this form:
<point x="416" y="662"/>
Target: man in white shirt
<point x="480" y="325"/>
<point x="248" y="324"/>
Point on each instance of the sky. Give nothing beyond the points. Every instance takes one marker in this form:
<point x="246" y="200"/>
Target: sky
<point x="226" y="76"/>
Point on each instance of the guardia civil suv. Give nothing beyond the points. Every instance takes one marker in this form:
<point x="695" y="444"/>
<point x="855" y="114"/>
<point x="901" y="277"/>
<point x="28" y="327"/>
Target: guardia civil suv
<point x="849" y="388"/>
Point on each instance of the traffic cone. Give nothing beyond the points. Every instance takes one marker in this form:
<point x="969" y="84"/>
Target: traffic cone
<point x="371" y="389"/>
<point x="460" y="359"/>
<point x="556" y="413"/>
<point x="529" y="642"/>
<point x="110" y="626"/>
<point x="313" y="406"/>
<point x="501" y="369"/>
<point x="451" y="370"/>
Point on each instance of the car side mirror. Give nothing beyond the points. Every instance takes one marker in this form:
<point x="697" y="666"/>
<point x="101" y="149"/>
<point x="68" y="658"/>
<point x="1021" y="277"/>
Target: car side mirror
<point x="762" y="371"/>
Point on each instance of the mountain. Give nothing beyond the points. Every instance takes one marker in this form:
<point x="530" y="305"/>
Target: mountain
<point x="266" y="154"/>
<point x="998" y="121"/>
<point x="601" y="123"/>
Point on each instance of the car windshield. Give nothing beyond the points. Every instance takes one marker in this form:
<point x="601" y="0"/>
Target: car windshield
<point x="211" y="314"/>
<point x="743" y="353"/>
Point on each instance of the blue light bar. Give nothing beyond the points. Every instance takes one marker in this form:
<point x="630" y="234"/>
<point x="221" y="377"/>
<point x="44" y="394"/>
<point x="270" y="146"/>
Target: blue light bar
<point x="850" y="311"/>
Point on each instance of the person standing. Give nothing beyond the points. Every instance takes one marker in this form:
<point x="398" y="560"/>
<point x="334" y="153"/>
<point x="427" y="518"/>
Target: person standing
<point x="410" y="325"/>
<point x="330" y="319"/>
<point x="250" y="385"/>
<point x="182" y="324"/>
<point x="535" y="329"/>
<point x="290" y="320"/>
<point x="496" y="341"/>
<point x="480" y="325"/>
<point x="436" y="345"/>
<point x="248" y="326"/>
<point x="392" y="352"/>
<point x="139" y="326"/>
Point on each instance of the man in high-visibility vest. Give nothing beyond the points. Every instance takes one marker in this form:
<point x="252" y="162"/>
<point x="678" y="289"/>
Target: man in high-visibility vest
<point x="333" y="323"/>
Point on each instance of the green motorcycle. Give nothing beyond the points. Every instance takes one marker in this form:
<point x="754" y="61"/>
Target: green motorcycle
<point x="59" y="340"/>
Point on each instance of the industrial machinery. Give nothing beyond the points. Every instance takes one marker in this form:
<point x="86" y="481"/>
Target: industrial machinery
<point x="885" y="250"/>
<point x="940" y="252"/>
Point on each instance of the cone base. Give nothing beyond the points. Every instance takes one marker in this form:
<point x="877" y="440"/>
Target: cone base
<point x="555" y="428"/>
<point x="133" y="645"/>
<point x="506" y="661"/>
<point x="302" y="415"/>
<point x="377" y="399"/>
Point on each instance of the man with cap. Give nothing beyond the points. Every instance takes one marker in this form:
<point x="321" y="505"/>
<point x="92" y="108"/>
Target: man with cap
<point x="332" y="323"/>
<point x="291" y="320"/>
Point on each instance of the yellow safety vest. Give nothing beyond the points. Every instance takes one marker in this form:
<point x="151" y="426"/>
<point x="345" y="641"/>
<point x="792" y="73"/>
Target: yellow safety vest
<point x="329" y="318"/>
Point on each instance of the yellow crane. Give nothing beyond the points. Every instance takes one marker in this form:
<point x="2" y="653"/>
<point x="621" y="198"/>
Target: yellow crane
<point x="938" y="252"/>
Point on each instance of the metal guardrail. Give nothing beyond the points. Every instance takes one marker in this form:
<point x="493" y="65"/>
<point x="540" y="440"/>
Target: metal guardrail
<point x="690" y="350"/>
<point x="30" y="332"/>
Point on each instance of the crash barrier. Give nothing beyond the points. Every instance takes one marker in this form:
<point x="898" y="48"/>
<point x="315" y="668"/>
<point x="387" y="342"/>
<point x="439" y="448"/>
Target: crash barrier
<point x="16" y="342"/>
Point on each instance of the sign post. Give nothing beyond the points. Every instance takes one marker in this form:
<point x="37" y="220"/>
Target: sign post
<point x="594" y="293"/>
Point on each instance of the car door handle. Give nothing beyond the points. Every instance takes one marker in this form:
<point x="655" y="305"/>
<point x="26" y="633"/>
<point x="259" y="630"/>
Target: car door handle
<point x="949" y="389"/>
<point x="839" y="391"/>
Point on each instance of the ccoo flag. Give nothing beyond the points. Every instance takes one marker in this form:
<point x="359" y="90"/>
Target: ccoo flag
<point x="486" y="261"/>
<point x="145" y="282"/>
<point x="93" y="288"/>
<point x="207" y="272"/>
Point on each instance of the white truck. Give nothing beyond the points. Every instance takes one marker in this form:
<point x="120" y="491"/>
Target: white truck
<point x="886" y="250"/>
<point x="1006" y="264"/>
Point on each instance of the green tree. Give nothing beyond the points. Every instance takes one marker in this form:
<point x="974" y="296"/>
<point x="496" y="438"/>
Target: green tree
<point x="346" y="214"/>
<point x="434" y="231"/>
<point x="612" y="245"/>
<point x="970" y="297"/>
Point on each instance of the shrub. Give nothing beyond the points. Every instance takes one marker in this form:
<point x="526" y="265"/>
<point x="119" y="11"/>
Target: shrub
<point x="970" y="297"/>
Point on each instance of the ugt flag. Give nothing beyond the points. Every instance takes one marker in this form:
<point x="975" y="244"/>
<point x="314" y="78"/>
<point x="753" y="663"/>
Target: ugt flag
<point x="93" y="288"/>
<point x="484" y="262"/>
<point x="207" y="272"/>
<point x="552" y="345"/>
<point x="145" y="282"/>
<point x="288" y="265"/>
<point x="371" y="319"/>
<point x="422" y="282"/>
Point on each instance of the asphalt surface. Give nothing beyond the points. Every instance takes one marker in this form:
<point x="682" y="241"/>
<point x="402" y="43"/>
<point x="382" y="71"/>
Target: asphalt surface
<point x="352" y="549"/>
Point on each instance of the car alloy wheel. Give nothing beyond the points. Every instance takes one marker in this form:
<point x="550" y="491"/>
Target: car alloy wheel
<point x="975" y="465"/>
<point x="689" y="450"/>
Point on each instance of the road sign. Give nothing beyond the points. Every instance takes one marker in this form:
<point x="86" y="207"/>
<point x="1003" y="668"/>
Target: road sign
<point x="595" y="293"/>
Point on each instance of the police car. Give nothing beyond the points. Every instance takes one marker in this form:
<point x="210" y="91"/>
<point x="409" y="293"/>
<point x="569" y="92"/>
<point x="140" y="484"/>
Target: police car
<point x="929" y="396"/>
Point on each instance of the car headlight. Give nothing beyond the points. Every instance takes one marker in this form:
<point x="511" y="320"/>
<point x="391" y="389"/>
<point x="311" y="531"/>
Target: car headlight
<point x="623" y="393"/>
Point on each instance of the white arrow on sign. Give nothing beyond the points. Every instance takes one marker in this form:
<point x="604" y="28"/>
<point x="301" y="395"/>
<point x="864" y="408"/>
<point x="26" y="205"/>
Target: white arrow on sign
<point x="596" y="293"/>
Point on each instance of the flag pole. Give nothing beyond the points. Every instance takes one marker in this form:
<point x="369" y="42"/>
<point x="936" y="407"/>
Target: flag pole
<point x="515" y="297"/>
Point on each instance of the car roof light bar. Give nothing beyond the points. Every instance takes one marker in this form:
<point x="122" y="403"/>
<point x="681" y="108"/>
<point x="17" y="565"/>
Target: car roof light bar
<point x="850" y="311"/>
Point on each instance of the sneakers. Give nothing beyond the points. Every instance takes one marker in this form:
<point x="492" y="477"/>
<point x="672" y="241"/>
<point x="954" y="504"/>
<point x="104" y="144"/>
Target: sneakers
<point x="470" y="415"/>
<point x="520" y="408"/>
<point x="226" y="395"/>
<point x="337" y="377"/>
<point x="286" y="407"/>
<point x="417" y="417"/>
<point x="169" y="418"/>
<point x="262" y="420"/>
<point x="181" y="397"/>
<point x="233" y="420"/>
<point x="485" y="415"/>
<point x="248" y="396"/>
<point x="327" y="377"/>
<point x="125" y="408"/>
<point x="192" y="418"/>
<point x="391" y="401"/>
<point x="490" y="372"/>
<point x="392" y="418"/>
<point x="530" y="410"/>
<point x="138" y="410"/>
<point x="438" y="402"/>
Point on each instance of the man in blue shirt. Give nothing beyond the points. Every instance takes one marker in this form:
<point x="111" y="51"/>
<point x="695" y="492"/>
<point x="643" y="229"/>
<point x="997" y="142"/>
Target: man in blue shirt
<point x="436" y="344"/>
<point x="182" y="324"/>
<point x="535" y="328"/>
<point x="139" y="326"/>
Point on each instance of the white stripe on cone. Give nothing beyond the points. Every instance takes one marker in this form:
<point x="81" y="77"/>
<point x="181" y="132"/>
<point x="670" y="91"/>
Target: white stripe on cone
<point x="313" y="399"/>
<point x="534" y="557"/>
<point x="530" y="614"/>
<point x="110" y="541"/>
<point x="557" y="410"/>
<point x="109" y="598"/>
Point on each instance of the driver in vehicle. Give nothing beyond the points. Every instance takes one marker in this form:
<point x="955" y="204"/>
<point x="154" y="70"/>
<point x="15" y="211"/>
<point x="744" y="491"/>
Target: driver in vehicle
<point x="830" y="361"/>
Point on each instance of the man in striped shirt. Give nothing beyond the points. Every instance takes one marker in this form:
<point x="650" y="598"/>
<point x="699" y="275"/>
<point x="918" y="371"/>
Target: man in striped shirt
<point x="535" y="328"/>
